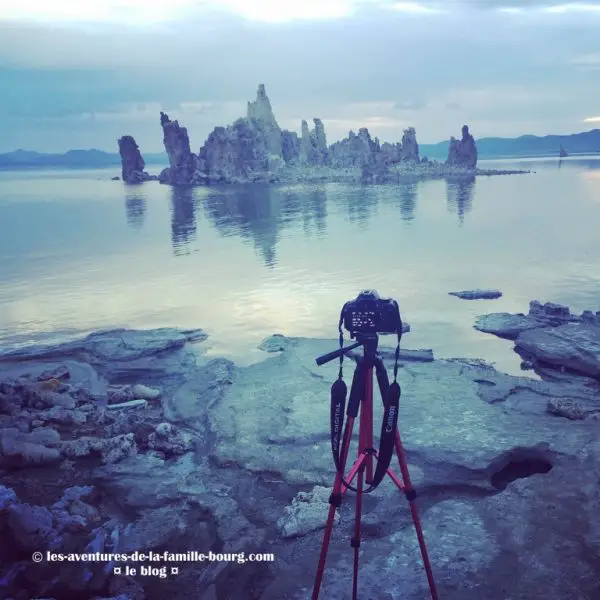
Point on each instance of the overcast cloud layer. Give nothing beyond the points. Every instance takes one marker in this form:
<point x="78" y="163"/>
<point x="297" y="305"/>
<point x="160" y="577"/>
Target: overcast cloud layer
<point x="79" y="74"/>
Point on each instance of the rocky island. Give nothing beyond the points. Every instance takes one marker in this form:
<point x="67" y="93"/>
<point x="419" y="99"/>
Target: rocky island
<point x="256" y="149"/>
<point x="131" y="441"/>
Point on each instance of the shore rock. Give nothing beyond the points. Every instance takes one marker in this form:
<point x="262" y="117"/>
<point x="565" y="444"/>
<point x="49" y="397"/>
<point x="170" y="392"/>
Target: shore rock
<point x="307" y="512"/>
<point x="132" y="163"/>
<point x="145" y="392"/>
<point x="463" y="152"/>
<point x="509" y="326"/>
<point x="551" y="337"/>
<point x="170" y="440"/>
<point x="19" y="450"/>
<point x="31" y="527"/>
<point x="111" y="450"/>
<point x="574" y="347"/>
<point x="477" y="294"/>
<point x="113" y="345"/>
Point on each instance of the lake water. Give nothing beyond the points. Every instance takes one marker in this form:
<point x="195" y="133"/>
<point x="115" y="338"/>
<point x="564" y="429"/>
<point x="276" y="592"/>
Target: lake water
<point x="81" y="252"/>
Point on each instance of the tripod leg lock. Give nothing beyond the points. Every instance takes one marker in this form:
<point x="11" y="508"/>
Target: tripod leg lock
<point x="410" y="494"/>
<point x="355" y="543"/>
<point x="335" y="499"/>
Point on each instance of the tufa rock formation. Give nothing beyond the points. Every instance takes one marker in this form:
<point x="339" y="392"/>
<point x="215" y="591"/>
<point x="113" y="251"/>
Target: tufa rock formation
<point x="260" y="115"/>
<point x="236" y="153"/>
<point x="463" y="152"/>
<point x="313" y="145"/>
<point x="363" y="151"/>
<point x="391" y="152"/>
<point x="251" y="149"/>
<point x="182" y="163"/>
<point x="132" y="163"/>
<point x="409" y="150"/>
<point x="290" y="147"/>
<point x="255" y="149"/>
<point x="355" y="150"/>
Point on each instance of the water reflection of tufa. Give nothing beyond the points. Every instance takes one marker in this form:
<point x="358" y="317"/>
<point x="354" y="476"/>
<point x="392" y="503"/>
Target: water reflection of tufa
<point x="183" y="218"/>
<point x="459" y="196"/>
<point x="360" y="203"/>
<point x="408" y="201"/>
<point x="259" y="213"/>
<point x="135" y="209"/>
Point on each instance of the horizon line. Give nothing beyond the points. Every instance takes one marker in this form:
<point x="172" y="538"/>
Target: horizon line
<point x="163" y="151"/>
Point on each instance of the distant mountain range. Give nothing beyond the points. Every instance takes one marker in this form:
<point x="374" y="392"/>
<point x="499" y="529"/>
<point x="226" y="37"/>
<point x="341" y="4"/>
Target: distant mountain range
<point x="526" y="145"/>
<point x="73" y="159"/>
<point x="587" y="142"/>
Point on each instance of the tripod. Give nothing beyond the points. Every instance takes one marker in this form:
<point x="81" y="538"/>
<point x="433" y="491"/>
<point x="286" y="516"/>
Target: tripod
<point x="361" y="398"/>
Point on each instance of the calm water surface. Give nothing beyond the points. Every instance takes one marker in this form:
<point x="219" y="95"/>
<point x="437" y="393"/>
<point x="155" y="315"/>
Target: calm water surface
<point x="80" y="252"/>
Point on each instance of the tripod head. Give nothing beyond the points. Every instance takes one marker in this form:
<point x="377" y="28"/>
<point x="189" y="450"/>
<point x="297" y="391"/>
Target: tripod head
<point x="368" y="341"/>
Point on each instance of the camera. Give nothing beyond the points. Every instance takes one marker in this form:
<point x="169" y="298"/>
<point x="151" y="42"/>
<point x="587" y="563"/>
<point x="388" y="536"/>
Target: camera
<point x="368" y="313"/>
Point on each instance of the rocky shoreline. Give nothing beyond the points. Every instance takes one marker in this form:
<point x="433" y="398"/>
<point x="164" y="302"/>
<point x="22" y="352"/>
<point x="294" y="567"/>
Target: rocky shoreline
<point x="255" y="149"/>
<point x="137" y="440"/>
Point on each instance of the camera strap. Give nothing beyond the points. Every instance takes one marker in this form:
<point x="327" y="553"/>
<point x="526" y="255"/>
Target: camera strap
<point x="338" y="404"/>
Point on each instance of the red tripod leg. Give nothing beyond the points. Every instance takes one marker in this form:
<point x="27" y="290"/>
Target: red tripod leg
<point x="356" y="539"/>
<point x="335" y="500"/>
<point x="411" y="496"/>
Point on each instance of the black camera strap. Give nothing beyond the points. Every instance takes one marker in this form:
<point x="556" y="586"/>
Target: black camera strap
<point x="338" y="405"/>
<point x="387" y="438"/>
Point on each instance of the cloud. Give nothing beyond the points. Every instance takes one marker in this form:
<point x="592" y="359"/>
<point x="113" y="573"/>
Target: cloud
<point x="151" y="12"/>
<point x="592" y="120"/>
<point x="418" y="8"/>
<point x="82" y="79"/>
<point x="551" y="6"/>
<point x="136" y="12"/>
<point x="564" y="7"/>
<point x="416" y="104"/>
<point x="587" y="61"/>
<point x="144" y="13"/>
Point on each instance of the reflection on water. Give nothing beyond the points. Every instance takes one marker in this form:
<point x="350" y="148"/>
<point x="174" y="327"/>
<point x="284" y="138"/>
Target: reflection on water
<point x="252" y="212"/>
<point x="408" y="201"/>
<point x="258" y="213"/>
<point x="314" y="217"/>
<point x="361" y="204"/>
<point x="135" y="209"/>
<point x="459" y="197"/>
<point x="183" y="219"/>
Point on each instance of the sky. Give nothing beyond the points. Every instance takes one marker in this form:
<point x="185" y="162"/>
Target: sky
<point x="82" y="73"/>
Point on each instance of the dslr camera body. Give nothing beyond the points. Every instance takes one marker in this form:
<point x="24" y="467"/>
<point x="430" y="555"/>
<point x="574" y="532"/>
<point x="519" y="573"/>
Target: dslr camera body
<point x="370" y="314"/>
